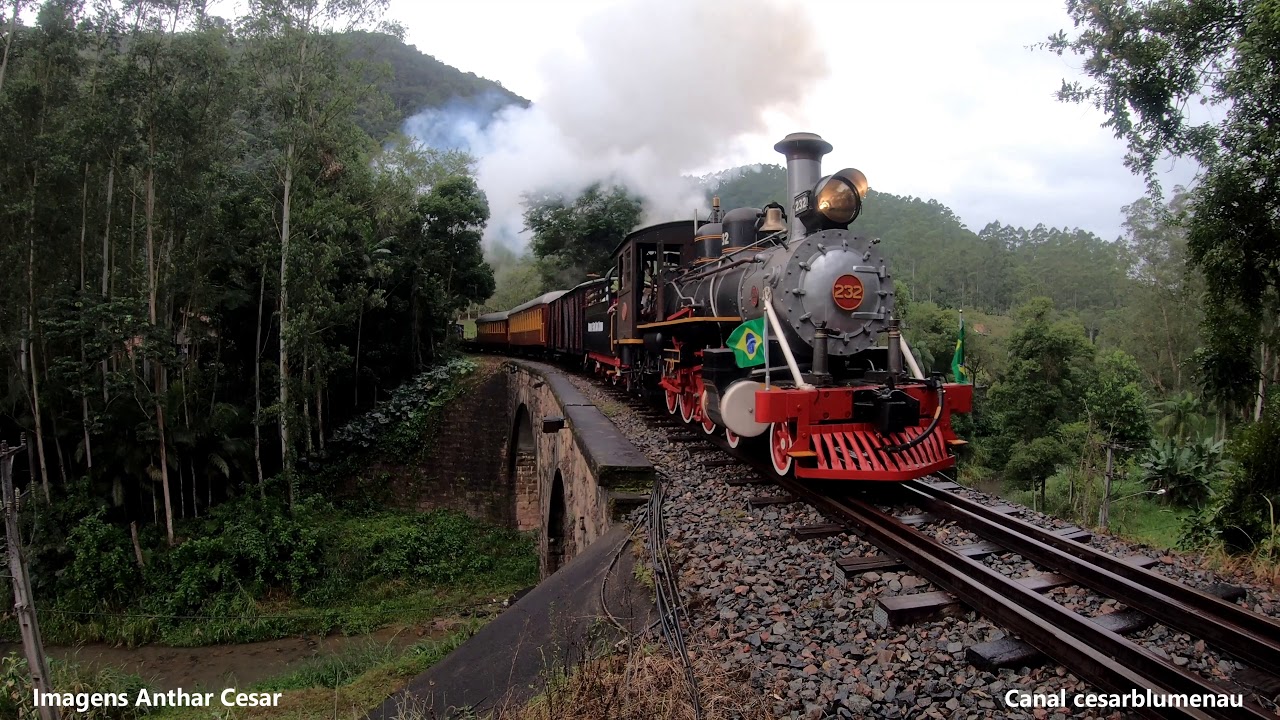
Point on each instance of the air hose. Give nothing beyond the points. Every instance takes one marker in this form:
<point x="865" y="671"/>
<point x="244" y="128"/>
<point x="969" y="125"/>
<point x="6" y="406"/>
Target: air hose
<point x="933" y="425"/>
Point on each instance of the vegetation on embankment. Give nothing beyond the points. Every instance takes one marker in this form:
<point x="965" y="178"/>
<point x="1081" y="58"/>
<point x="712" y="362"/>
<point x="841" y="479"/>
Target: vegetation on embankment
<point x="251" y="569"/>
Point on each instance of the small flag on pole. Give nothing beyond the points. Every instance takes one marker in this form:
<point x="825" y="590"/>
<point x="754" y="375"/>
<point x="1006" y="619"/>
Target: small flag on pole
<point x="957" y="361"/>
<point x="748" y="344"/>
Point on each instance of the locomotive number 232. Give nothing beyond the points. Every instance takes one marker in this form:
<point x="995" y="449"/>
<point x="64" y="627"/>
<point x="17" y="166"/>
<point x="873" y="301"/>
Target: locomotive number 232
<point x="847" y="292"/>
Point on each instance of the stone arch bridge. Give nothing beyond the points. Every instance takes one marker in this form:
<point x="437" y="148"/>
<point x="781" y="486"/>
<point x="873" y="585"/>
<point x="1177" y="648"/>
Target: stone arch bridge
<point x="571" y="471"/>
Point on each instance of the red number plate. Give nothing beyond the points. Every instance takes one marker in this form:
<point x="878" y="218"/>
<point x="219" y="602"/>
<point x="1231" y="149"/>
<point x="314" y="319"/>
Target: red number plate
<point x="847" y="292"/>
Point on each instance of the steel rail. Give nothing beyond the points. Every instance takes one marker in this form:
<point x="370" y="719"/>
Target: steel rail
<point x="1098" y="656"/>
<point x="1249" y="636"/>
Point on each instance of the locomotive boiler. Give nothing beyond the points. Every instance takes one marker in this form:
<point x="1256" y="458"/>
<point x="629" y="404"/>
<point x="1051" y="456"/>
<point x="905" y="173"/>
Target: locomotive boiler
<point x="775" y="324"/>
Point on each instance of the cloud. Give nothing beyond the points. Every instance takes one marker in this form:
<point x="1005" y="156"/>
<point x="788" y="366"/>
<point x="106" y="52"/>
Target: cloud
<point x="653" y="90"/>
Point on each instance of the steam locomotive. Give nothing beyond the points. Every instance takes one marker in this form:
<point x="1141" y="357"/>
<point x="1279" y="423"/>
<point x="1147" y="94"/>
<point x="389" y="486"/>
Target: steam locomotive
<point x="761" y="323"/>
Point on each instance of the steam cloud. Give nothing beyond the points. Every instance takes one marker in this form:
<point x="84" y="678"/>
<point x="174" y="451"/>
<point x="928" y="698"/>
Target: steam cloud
<point x="664" y="87"/>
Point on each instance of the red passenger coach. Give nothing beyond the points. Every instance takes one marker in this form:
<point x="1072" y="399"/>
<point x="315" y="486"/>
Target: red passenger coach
<point x="568" y="319"/>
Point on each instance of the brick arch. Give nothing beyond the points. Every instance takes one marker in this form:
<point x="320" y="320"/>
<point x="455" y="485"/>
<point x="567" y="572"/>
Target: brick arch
<point x="560" y="543"/>
<point x="522" y="470"/>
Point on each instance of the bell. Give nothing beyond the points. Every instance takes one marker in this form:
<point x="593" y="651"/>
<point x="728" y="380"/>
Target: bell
<point x="772" y="220"/>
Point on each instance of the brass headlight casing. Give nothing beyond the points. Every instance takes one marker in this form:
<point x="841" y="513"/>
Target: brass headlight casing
<point x="839" y="197"/>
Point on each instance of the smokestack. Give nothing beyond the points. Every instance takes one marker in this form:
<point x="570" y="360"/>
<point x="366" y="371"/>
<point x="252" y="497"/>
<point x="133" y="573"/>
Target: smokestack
<point x="804" y="153"/>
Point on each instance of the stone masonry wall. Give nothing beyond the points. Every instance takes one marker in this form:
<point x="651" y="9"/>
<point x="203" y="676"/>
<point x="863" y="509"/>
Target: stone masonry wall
<point x="464" y="467"/>
<point x="528" y="516"/>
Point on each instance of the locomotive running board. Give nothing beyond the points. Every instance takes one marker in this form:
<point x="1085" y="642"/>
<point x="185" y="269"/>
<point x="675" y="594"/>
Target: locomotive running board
<point x="858" y="452"/>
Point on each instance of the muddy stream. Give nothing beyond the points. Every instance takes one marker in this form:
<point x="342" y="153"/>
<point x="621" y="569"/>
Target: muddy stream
<point x="215" y="667"/>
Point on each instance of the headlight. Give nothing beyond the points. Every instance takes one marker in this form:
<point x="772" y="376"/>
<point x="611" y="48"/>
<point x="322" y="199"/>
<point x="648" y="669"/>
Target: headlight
<point x="839" y="197"/>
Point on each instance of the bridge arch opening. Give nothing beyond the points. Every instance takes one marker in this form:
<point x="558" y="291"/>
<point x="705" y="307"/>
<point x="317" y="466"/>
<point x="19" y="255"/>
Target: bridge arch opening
<point x="557" y="525"/>
<point x="522" y="470"/>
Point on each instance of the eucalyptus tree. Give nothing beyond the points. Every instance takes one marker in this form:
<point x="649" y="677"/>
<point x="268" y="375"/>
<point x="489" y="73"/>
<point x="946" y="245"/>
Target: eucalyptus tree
<point x="1158" y="323"/>
<point x="10" y="32"/>
<point x="303" y="95"/>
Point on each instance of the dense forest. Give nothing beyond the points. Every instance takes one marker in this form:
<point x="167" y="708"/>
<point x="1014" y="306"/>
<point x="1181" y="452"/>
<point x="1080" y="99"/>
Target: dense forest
<point x="206" y="249"/>
<point x="217" y="263"/>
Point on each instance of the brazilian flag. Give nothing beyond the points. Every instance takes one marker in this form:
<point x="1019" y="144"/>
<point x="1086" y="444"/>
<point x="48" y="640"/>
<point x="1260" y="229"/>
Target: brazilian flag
<point x="747" y="342"/>
<point x="957" y="361"/>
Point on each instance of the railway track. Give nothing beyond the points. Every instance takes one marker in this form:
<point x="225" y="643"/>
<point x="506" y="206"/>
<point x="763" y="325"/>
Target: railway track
<point x="1090" y="650"/>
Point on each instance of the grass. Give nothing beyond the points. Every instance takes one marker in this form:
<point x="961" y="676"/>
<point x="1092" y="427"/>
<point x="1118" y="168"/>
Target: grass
<point x="340" y="686"/>
<point x="1260" y="566"/>
<point x="643" y="683"/>
<point x="1148" y="522"/>
<point x="1134" y="516"/>
<point x="343" y="686"/>
<point x="16" y="690"/>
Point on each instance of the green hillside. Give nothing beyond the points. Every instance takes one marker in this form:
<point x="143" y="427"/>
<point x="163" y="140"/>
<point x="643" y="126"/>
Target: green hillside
<point x="413" y="80"/>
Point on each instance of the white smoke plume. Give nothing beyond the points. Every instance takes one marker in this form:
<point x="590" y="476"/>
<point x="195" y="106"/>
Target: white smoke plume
<point x="663" y="87"/>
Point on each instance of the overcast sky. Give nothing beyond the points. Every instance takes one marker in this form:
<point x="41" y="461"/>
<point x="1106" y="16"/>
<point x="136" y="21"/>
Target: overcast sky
<point x="934" y="99"/>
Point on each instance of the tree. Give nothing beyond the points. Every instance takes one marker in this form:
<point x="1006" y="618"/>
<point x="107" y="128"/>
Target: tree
<point x="156" y="133"/>
<point x="1158" y="323"/>
<point x="516" y="278"/>
<point x="1180" y="417"/>
<point x="1115" y="403"/>
<point x="442" y="245"/>
<point x="574" y="238"/>
<point x="748" y="186"/>
<point x="305" y="92"/>
<point x="1148" y="62"/>
<point x="1042" y="389"/>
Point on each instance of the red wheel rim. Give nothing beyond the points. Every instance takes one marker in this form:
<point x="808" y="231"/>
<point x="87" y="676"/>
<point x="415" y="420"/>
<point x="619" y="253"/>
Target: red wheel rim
<point x="733" y="438"/>
<point x="708" y="425"/>
<point x="673" y="402"/>
<point x="780" y="441"/>
<point x="686" y="407"/>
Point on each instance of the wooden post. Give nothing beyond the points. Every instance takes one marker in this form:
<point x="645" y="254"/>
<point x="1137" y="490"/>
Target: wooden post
<point x="1104" y="512"/>
<point x="23" y="605"/>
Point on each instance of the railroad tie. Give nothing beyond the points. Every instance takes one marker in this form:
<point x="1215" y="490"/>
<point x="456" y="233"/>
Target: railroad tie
<point x="908" y="609"/>
<point x="899" y="610"/>
<point x="1012" y="652"/>
<point x="852" y="566"/>
<point x="767" y="500"/>
<point x="817" y="532"/>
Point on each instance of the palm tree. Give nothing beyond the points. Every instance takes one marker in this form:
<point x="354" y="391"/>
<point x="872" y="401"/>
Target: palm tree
<point x="1180" y="416"/>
